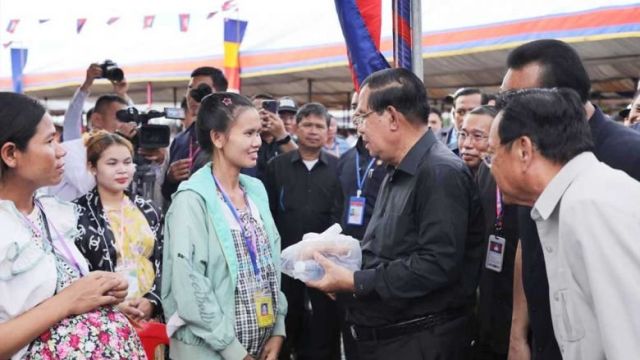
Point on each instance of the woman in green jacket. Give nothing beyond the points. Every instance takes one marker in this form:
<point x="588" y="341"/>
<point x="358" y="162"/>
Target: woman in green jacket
<point x="221" y="263"/>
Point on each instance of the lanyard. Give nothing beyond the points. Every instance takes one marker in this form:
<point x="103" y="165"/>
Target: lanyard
<point x="360" y="179"/>
<point x="248" y="241"/>
<point x="67" y="252"/>
<point x="192" y="153"/>
<point x="499" y="209"/>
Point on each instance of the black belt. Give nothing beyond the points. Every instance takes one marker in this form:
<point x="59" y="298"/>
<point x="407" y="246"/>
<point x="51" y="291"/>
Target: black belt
<point x="363" y="333"/>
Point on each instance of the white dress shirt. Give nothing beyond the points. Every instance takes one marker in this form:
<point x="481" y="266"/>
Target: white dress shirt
<point x="588" y="218"/>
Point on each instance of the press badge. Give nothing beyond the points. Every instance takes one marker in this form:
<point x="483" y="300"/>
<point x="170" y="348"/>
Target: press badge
<point x="264" y="309"/>
<point x="356" y="211"/>
<point x="495" y="253"/>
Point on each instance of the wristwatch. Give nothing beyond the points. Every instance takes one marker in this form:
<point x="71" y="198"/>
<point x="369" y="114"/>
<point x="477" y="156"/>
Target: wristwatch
<point x="284" y="140"/>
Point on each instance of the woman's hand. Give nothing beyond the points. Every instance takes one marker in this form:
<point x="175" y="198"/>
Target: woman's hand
<point x="130" y="310"/>
<point x="97" y="289"/>
<point x="137" y="309"/>
<point x="272" y="348"/>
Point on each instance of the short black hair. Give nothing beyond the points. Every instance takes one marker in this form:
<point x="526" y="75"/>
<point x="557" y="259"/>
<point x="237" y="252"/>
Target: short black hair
<point x="435" y="111"/>
<point x="19" y="118"/>
<point x="105" y="100"/>
<point x="313" y="108"/>
<point x="560" y="63"/>
<point x="263" y="96"/>
<point x="89" y="113"/>
<point x="220" y="82"/>
<point x="216" y="113"/>
<point x="183" y="104"/>
<point x="401" y="89"/>
<point x="554" y="120"/>
<point x="465" y="92"/>
<point x="485" y="110"/>
<point x="487" y="97"/>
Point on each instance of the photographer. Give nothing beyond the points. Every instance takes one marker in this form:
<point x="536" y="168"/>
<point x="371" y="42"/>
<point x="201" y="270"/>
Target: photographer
<point x="72" y="127"/>
<point x="77" y="180"/>
<point x="275" y="139"/>
<point x="184" y="148"/>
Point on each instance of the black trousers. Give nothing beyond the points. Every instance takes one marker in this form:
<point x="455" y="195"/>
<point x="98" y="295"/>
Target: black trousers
<point x="349" y="343"/>
<point x="312" y="324"/>
<point x="446" y="341"/>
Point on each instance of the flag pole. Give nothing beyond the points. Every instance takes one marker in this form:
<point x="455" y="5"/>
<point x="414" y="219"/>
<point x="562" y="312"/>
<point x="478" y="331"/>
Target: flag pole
<point x="416" y="36"/>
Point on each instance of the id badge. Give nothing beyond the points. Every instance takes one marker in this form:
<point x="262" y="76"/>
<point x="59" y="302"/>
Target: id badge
<point x="131" y="274"/>
<point x="495" y="253"/>
<point x="356" y="211"/>
<point x="264" y="309"/>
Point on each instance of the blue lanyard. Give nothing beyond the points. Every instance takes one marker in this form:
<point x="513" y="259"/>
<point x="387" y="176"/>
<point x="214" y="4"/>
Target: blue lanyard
<point x="360" y="179"/>
<point x="251" y="245"/>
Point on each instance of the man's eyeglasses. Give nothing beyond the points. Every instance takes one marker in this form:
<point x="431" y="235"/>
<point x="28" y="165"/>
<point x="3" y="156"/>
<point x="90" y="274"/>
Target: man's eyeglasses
<point x="475" y="137"/>
<point x="360" y="119"/>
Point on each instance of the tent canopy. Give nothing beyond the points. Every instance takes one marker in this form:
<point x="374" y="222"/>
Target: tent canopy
<point x="296" y="48"/>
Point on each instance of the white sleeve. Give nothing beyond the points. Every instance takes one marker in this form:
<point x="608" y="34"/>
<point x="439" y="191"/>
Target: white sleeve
<point x="72" y="127"/>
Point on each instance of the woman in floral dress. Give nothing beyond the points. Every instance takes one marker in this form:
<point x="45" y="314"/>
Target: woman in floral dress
<point x="51" y="307"/>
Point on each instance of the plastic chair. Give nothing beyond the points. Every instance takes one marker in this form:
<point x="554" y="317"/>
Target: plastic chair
<point x="151" y="335"/>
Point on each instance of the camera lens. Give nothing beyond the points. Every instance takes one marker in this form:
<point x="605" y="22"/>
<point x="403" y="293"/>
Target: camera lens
<point x="114" y="74"/>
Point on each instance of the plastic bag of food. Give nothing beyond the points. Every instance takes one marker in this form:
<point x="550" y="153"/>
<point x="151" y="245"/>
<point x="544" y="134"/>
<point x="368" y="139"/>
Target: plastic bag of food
<point x="298" y="262"/>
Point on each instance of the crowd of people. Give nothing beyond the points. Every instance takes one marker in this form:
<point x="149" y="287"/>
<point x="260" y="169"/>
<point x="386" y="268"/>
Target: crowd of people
<point x="509" y="234"/>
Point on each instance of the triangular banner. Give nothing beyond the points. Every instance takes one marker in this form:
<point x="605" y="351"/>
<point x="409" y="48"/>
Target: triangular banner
<point x="80" y="25"/>
<point x="229" y="5"/>
<point x="13" y="24"/>
<point x="184" y="22"/>
<point x="112" y="20"/>
<point x="148" y="21"/>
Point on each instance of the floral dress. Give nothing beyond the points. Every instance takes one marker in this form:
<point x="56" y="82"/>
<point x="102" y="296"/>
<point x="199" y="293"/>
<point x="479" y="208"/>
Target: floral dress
<point x="103" y="333"/>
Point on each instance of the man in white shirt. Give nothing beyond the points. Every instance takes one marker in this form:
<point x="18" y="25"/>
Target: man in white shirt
<point x="77" y="180"/>
<point x="72" y="127"/>
<point x="587" y="216"/>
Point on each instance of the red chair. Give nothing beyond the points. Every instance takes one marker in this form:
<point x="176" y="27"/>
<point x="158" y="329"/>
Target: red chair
<point x="152" y="334"/>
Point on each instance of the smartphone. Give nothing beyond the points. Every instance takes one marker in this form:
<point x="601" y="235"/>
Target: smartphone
<point x="174" y="113"/>
<point x="270" y="106"/>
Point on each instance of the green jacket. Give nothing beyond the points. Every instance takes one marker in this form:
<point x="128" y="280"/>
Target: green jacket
<point x="199" y="272"/>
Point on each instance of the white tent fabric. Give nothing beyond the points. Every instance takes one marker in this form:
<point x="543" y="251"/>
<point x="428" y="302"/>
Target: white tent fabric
<point x="283" y="37"/>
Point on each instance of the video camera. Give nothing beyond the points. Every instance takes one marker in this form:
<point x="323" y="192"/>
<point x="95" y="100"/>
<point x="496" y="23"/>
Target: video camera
<point x="150" y="136"/>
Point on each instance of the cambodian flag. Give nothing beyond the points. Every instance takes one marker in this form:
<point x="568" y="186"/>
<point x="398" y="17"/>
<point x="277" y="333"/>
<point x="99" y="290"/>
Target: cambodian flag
<point x="360" y="21"/>
<point x="18" y="61"/>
